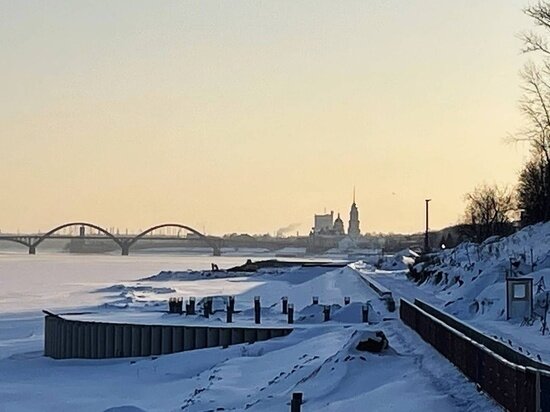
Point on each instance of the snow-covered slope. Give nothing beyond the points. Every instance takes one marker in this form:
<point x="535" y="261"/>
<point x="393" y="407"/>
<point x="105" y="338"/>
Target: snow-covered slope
<point x="469" y="282"/>
<point x="471" y="277"/>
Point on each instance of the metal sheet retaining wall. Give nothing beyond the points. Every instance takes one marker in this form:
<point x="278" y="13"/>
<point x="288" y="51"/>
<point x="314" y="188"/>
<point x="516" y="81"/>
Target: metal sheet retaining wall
<point x="383" y="292"/>
<point x="516" y="388"/>
<point x="65" y="339"/>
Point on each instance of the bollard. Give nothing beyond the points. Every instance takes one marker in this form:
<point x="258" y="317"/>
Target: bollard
<point x="206" y="306"/>
<point x="211" y="305"/>
<point x="326" y="312"/>
<point x="284" y="300"/>
<point x="390" y="303"/>
<point x="315" y="300"/>
<point x="296" y="402"/>
<point x="257" y="309"/>
<point x="365" y="311"/>
<point x="347" y="300"/>
<point x="229" y="314"/>
<point x="290" y="313"/>
<point x="191" y="305"/>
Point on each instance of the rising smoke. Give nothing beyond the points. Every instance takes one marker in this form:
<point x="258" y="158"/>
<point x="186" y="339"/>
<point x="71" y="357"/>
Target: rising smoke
<point x="290" y="228"/>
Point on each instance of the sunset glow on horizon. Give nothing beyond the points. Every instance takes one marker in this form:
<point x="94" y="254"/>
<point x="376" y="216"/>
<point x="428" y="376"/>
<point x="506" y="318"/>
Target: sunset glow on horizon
<point x="249" y="116"/>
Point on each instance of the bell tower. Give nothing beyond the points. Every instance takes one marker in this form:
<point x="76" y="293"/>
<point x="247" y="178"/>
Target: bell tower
<point x="353" y="227"/>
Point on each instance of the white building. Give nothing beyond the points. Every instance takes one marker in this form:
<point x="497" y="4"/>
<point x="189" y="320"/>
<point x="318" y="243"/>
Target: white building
<point x="353" y="228"/>
<point x="323" y="223"/>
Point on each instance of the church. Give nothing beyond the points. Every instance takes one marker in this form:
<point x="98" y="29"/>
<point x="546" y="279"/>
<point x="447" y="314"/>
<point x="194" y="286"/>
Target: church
<point x="327" y="232"/>
<point x="353" y="228"/>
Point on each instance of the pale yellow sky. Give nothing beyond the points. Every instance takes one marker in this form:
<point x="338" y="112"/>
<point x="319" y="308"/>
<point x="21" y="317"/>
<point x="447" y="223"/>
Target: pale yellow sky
<point x="246" y="116"/>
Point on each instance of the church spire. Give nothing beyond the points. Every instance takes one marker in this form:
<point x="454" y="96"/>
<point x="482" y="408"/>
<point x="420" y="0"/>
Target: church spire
<point x="353" y="228"/>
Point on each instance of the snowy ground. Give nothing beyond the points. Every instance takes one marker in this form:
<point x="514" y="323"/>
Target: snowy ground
<point x="318" y="358"/>
<point x="469" y="282"/>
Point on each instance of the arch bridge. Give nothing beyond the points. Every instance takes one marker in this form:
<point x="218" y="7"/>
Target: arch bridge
<point x="125" y="242"/>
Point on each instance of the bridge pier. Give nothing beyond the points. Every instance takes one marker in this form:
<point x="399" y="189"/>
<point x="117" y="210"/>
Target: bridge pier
<point x="125" y="250"/>
<point x="32" y="250"/>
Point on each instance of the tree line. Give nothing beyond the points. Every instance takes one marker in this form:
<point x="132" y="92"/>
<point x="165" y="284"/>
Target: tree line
<point x="490" y="209"/>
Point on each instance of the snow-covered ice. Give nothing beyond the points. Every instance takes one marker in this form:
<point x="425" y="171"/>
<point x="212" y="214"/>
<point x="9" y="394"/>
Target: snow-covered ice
<point x="318" y="358"/>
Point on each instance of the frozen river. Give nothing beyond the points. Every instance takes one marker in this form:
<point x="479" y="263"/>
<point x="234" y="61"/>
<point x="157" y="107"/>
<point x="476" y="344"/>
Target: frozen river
<point x="55" y="281"/>
<point x="29" y="284"/>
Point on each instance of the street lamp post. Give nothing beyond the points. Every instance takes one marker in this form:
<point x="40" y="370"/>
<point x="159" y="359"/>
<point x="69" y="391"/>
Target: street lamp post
<point x="426" y="237"/>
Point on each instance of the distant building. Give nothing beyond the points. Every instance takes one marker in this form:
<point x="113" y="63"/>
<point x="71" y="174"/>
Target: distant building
<point x="338" y="226"/>
<point x="323" y="223"/>
<point x="353" y="228"/>
<point x="327" y="232"/>
<point x="326" y="225"/>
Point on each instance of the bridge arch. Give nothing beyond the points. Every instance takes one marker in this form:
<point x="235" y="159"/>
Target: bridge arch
<point x="207" y="239"/>
<point x="90" y="225"/>
<point x="17" y="240"/>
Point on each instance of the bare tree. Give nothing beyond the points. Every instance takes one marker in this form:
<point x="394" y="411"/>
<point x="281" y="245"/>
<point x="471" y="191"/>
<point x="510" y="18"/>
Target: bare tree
<point x="534" y="180"/>
<point x="535" y="41"/>
<point x="488" y="212"/>
<point x="532" y="191"/>
<point x="535" y="105"/>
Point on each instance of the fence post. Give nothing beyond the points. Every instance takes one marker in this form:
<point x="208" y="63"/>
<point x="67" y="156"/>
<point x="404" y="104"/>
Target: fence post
<point x="191" y="307"/>
<point x="326" y="313"/>
<point x="229" y="317"/>
<point x="365" y="312"/>
<point x="390" y="303"/>
<point x="257" y="309"/>
<point x="284" y="300"/>
<point x="290" y="313"/>
<point x="296" y="402"/>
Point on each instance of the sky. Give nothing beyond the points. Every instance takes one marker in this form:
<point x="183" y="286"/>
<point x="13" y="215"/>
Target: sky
<point x="248" y="116"/>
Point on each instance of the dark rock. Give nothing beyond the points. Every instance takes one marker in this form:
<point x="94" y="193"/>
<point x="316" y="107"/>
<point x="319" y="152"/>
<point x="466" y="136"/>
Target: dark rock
<point x="374" y="342"/>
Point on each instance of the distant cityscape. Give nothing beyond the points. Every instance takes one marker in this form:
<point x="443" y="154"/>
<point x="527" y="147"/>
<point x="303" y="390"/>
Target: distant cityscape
<point x="328" y="236"/>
